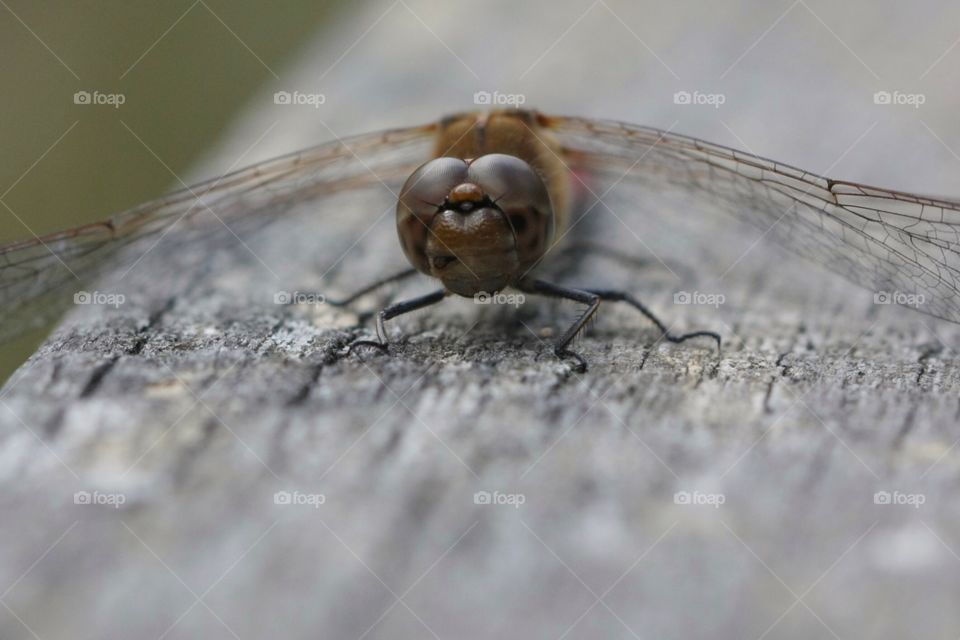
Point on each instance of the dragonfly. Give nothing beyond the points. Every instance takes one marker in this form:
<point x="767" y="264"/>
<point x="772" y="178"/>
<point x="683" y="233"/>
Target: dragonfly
<point x="489" y="197"/>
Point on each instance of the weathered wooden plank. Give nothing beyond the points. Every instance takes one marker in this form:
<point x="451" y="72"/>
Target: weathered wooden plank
<point x="197" y="405"/>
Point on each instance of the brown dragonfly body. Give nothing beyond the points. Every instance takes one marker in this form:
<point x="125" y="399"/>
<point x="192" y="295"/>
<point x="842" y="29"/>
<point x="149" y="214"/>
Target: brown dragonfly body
<point x="483" y="213"/>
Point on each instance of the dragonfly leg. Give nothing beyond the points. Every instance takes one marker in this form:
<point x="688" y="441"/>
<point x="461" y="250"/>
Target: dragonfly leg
<point x="394" y="310"/>
<point x="403" y="275"/>
<point x="578" y="295"/>
<point x="621" y="296"/>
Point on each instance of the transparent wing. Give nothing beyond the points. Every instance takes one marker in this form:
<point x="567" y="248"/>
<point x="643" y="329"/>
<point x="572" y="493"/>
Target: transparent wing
<point x="882" y="239"/>
<point x="38" y="276"/>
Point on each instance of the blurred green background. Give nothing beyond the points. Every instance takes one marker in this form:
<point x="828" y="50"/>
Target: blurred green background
<point x="184" y="68"/>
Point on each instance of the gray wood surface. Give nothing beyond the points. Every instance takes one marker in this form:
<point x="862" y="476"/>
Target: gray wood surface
<point x="201" y="407"/>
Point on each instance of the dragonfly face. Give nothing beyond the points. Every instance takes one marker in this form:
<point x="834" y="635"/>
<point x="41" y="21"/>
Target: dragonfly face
<point x="475" y="224"/>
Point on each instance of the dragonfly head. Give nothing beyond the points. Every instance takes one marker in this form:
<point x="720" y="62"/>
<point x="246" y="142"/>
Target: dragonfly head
<point x="476" y="225"/>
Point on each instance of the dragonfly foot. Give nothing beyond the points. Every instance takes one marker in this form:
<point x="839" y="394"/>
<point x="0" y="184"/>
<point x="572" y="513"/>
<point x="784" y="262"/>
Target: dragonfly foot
<point x="383" y="347"/>
<point x="580" y="365"/>
<point x="669" y="337"/>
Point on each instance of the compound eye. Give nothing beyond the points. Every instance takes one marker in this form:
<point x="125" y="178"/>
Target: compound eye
<point x="510" y="182"/>
<point x="427" y="187"/>
<point x="420" y="199"/>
